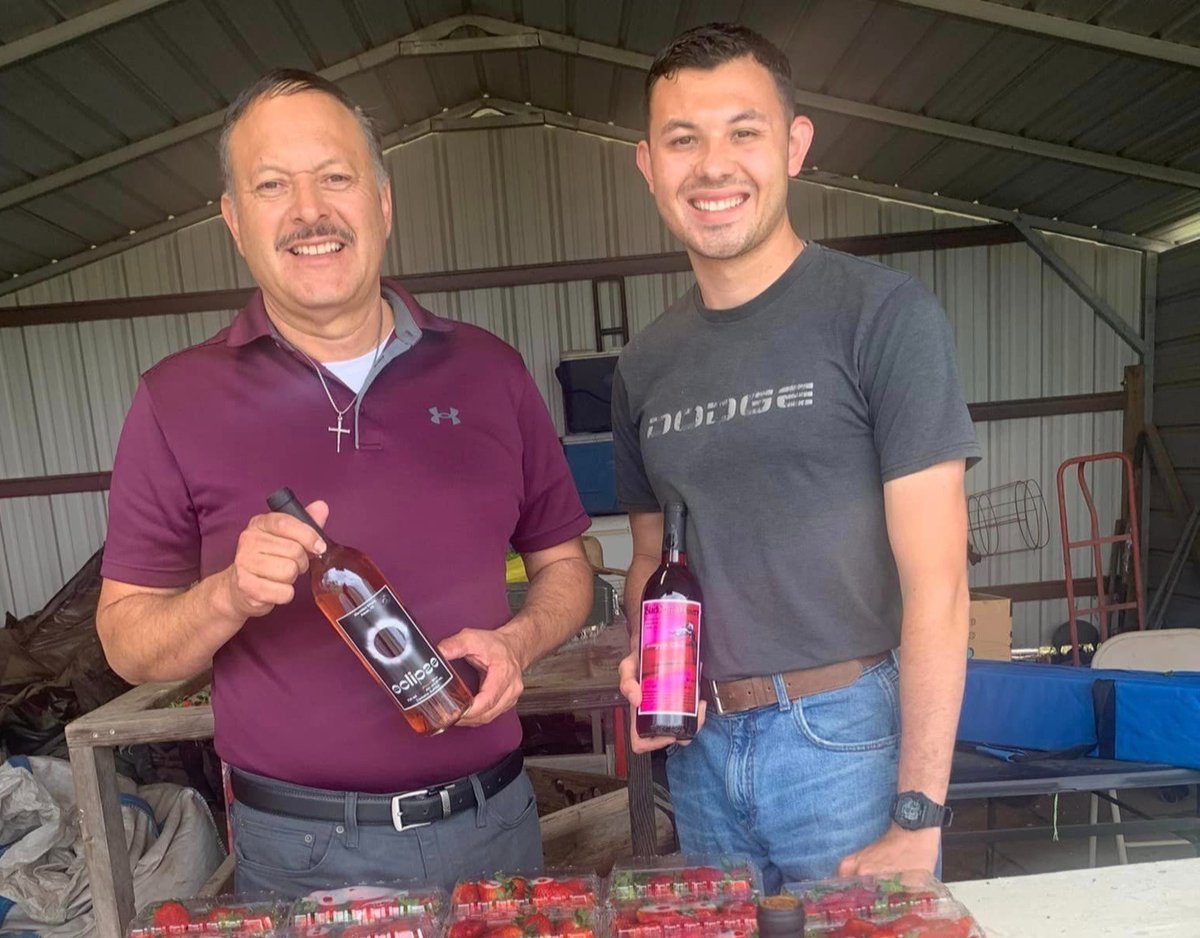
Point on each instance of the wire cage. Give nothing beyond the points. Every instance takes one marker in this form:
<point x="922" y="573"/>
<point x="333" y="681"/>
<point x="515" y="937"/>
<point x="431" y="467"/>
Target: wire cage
<point x="1008" y="519"/>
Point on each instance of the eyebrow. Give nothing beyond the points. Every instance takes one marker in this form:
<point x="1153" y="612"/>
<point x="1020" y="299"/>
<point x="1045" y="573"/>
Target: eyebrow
<point x="271" y="168"/>
<point x="678" y="123"/>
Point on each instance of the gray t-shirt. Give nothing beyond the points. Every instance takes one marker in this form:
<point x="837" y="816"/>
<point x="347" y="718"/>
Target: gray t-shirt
<point x="777" y="423"/>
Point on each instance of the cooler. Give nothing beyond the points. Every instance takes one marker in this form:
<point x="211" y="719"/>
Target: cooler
<point x="590" y="458"/>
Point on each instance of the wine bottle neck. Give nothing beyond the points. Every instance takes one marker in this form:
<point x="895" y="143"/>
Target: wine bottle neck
<point x="674" y="550"/>
<point x="286" y="503"/>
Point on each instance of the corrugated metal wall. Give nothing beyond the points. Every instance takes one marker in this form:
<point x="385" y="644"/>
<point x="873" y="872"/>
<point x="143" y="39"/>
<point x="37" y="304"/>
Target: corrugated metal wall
<point x="525" y="195"/>
<point x="1177" y="414"/>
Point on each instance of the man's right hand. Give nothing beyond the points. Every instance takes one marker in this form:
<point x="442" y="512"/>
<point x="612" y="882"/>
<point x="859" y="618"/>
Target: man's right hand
<point x="632" y="691"/>
<point x="272" y="552"/>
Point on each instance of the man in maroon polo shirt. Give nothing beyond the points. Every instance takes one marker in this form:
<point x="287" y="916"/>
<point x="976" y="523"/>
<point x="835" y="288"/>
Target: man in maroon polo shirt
<point x="422" y="442"/>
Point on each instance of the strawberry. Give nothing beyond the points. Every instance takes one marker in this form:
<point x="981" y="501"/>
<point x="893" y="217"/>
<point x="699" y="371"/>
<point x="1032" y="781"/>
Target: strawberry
<point x="172" y="916"/>
<point x="466" y="893"/>
<point x="536" y="925"/>
<point x="504" y="931"/>
<point x="466" y="928"/>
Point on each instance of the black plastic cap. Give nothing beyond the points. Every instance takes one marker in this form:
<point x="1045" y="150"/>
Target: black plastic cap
<point x="277" y="500"/>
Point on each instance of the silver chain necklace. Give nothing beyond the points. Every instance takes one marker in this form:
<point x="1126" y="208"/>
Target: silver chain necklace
<point x="338" y="430"/>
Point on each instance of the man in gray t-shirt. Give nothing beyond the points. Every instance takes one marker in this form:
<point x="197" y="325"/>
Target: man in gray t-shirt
<point x="805" y="405"/>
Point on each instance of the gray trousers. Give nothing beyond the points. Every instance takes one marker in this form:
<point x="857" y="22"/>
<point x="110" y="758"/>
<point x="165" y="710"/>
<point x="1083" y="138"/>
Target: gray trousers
<point x="293" y="856"/>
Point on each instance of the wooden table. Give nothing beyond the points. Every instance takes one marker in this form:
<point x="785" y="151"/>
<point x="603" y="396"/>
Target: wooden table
<point x="581" y="676"/>
<point x="1142" y="900"/>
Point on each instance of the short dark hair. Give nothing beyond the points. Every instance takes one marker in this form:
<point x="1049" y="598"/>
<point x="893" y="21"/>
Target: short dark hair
<point x="706" y="47"/>
<point x="287" y="81"/>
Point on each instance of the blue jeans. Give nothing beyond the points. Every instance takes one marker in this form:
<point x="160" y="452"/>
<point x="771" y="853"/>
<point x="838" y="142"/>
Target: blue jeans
<point x="797" y="785"/>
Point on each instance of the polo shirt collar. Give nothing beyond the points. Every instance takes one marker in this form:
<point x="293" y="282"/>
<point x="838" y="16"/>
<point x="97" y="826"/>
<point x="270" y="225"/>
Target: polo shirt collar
<point x="412" y="318"/>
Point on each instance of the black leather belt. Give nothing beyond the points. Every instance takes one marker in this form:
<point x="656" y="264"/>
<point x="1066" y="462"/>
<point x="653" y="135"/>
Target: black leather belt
<point x="403" y="811"/>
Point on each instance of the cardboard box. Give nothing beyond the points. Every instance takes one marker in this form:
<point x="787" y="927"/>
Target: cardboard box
<point x="991" y="628"/>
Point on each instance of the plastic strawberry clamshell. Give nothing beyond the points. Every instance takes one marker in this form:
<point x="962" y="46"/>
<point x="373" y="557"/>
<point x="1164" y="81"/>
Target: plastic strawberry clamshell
<point x="416" y="925"/>
<point x="667" y="879"/>
<point x="529" y="922"/>
<point x="837" y="900"/>
<point x="223" y="915"/>
<point x="693" y="918"/>
<point x="947" y="919"/>
<point x="368" y="902"/>
<point x="516" y="892"/>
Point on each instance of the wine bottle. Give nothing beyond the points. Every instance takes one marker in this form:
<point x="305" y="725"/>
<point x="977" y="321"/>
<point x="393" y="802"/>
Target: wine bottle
<point x="670" y="639"/>
<point x="364" y="610"/>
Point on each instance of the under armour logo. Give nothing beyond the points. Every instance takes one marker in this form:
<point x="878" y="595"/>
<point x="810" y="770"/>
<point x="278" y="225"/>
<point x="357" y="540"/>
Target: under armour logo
<point x="437" y="416"/>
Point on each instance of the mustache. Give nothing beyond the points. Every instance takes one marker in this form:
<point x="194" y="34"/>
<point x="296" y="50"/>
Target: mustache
<point x="319" y="230"/>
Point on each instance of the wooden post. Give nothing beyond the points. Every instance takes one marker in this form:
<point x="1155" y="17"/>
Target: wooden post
<point x="641" y="805"/>
<point x="103" y="830"/>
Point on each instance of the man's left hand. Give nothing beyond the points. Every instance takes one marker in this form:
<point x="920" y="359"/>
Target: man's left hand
<point x="897" y="851"/>
<point x="493" y="655"/>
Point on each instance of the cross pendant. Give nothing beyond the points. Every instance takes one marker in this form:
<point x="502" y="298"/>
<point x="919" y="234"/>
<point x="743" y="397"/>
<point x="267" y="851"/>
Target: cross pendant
<point x="338" y="431"/>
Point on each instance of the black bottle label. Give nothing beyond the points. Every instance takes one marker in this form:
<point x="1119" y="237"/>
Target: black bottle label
<point x="394" y="647"/>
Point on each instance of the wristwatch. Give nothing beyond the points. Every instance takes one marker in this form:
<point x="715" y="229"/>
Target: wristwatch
<point x="913" y="811"/>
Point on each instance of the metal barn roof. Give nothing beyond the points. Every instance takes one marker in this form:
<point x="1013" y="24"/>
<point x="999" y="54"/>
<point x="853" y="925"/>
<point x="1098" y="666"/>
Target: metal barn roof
<point x="1082" y="115"/>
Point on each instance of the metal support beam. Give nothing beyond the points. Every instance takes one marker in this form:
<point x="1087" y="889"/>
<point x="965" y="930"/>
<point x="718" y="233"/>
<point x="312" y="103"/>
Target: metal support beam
<point x="1149" y="320"/>
<point x="1060" y="27"/>
<point x="1084" y="290"/>
<point x="638" y="265"/>
<point x="74" y="28"/>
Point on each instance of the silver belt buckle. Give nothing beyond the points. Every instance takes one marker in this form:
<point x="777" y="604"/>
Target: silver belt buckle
<point x="716" y="698"/>
<point x="397" y="818"/>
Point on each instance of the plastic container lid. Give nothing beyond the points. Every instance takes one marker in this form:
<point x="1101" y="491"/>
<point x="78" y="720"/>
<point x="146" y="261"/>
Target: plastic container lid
<point x="675" y="919"/>
<point x="368" y="902"/>
<point x="223" y="915"/>
<point x="512" y="892"/>
<point x="836" y="900"/>
<point x="949" y="919"/>
<point x="419" y="925"/>
<point x="683" y="878"/>
<point x="528" y="922"/>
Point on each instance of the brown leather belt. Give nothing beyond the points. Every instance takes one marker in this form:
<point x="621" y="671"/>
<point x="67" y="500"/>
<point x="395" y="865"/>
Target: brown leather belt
<point x="752" y="692"/>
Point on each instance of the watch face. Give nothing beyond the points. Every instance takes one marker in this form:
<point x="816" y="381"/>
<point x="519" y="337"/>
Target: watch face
<point x="909" y="809"/>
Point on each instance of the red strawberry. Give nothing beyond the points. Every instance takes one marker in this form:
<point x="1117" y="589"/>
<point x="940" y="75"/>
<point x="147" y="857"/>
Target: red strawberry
<point x="466" y="928"/>
<point x="537" y="924"/>
<point x="503" y="931"/>
<point x="172" y="915"/>
<point x="466" y="893"/>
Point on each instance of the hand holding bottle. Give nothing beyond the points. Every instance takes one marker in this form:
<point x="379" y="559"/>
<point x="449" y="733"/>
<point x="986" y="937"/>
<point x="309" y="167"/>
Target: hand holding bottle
<point x="495" y="657"/>
<point x="631" y="690"/>
<point x="272" y="552"/>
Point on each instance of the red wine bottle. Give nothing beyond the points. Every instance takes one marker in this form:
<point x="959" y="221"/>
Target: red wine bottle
<point x="670" y="639"/>
<point x="363" y="609"/>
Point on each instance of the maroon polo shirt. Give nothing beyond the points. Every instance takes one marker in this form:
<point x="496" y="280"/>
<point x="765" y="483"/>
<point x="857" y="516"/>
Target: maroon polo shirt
<point x="456" y="458"/>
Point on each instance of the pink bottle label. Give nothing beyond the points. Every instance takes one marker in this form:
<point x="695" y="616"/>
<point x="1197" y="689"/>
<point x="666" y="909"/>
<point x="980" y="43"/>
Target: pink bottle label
<point x="670" y="659"/>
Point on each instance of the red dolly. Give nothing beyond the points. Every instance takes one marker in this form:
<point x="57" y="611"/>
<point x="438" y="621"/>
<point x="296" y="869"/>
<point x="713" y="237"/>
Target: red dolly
<point x="1103" y="608"/>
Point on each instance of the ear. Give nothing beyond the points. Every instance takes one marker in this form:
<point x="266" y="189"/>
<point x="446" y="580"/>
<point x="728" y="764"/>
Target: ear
<point x="229" y="213"/>
<point x="385" y="206"/>
<point x="800" y="138"/>
<point x="643" y="163"/>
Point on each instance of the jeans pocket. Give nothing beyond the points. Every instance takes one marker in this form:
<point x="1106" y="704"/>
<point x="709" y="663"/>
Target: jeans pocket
<point x="278" y="844"/>
<point x="510" y="808"/>
<point x="862" y="716"/>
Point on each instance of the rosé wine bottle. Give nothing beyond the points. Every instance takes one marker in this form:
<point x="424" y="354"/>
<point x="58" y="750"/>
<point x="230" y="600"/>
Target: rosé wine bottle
<point x="364" y="610"/>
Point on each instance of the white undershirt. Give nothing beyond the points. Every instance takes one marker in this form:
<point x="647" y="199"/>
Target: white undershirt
<point x="353" y="372"/>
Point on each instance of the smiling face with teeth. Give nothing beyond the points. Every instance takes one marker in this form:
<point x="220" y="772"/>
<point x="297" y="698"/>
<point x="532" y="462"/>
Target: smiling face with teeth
<point x="309" y="215"/>
<point x="719" y="150"/>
